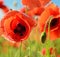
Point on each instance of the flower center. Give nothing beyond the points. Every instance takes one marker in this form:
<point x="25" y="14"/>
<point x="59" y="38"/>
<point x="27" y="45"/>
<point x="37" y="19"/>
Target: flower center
<point x="20" y="29"/>
<point x="54" y="22"/>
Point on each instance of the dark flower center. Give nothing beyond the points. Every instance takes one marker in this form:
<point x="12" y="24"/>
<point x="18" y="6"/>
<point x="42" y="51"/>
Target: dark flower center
<point x="20" y="29"/>
<point x="54" y="22"/>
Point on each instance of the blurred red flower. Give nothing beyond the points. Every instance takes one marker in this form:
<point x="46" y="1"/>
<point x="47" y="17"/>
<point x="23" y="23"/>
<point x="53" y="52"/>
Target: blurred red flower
<point x="36" y="7"/>
<point x="32" y="12"/>
<point x="44" y="2"/>
<point x="3" y="7"/>
<point x="44" y="51"/>
<point x="35" y="3"/>
<point x="58" y="55"/>
<point x="51" y="10"/>
<point x="51" y="51"/>
<point x="17" y="26"/>
<point x="36" y="11"/>
<point x="31" y="4"/>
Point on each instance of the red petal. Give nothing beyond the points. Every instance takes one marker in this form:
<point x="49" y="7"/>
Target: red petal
<point x="10" y="21"/>
<point x="31" y="4"/>
<point x="35" y="11"/>
<point x="44" y="2"/>
<point x="3" y="7"/>
<point x="53" y="10"/>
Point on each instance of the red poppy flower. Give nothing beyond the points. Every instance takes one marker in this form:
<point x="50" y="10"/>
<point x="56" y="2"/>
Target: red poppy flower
<point x="44" y="51"/>
<point x="51" y="10"/>
<point x="36" y="6"/>
<point x="44" y="2"/>
<point x="32" y="12"/>
<point x="51" y="51"/>
<point x="35" y="3"/>
<point x="17" y="26"/>
<point x="36" y="11"/>
<point x="31" y="4"/>
<point x="3" y="7"/>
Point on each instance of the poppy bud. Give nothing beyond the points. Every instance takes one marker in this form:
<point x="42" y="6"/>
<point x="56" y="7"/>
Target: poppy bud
<point x="43" y="37"/>
<point x="17" y="26"/>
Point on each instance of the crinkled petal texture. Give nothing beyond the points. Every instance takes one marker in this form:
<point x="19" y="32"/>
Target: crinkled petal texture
<point x="51" y="10"/>
<point x="17" y="26"/>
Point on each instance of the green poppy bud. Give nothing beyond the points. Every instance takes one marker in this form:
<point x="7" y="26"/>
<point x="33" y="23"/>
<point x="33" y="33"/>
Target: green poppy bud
<point x="43" y="37"/>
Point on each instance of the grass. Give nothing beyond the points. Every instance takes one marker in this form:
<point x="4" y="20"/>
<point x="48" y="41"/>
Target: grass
<point x="32" y="47"/>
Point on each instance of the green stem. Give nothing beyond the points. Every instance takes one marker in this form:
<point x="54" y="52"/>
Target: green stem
<point x="20" y="49"/>
<point x="47" y="48"/>
<point x="29" y="47"/>
<point x="50" y="18"/>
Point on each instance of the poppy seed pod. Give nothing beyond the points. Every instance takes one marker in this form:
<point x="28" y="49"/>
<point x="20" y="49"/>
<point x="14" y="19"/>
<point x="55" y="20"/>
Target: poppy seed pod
<point x="17" y="26"/>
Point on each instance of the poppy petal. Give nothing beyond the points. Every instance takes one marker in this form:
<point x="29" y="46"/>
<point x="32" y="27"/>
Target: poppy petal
<point x="17" y="26"/>
<point x="35" y="3"/>
<point x="3" y="7"/>
<point x="50" y="11"/>
<point x="31" y="4"/>
<point x="36" y="11"/>
<point x="44" y="2"/>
